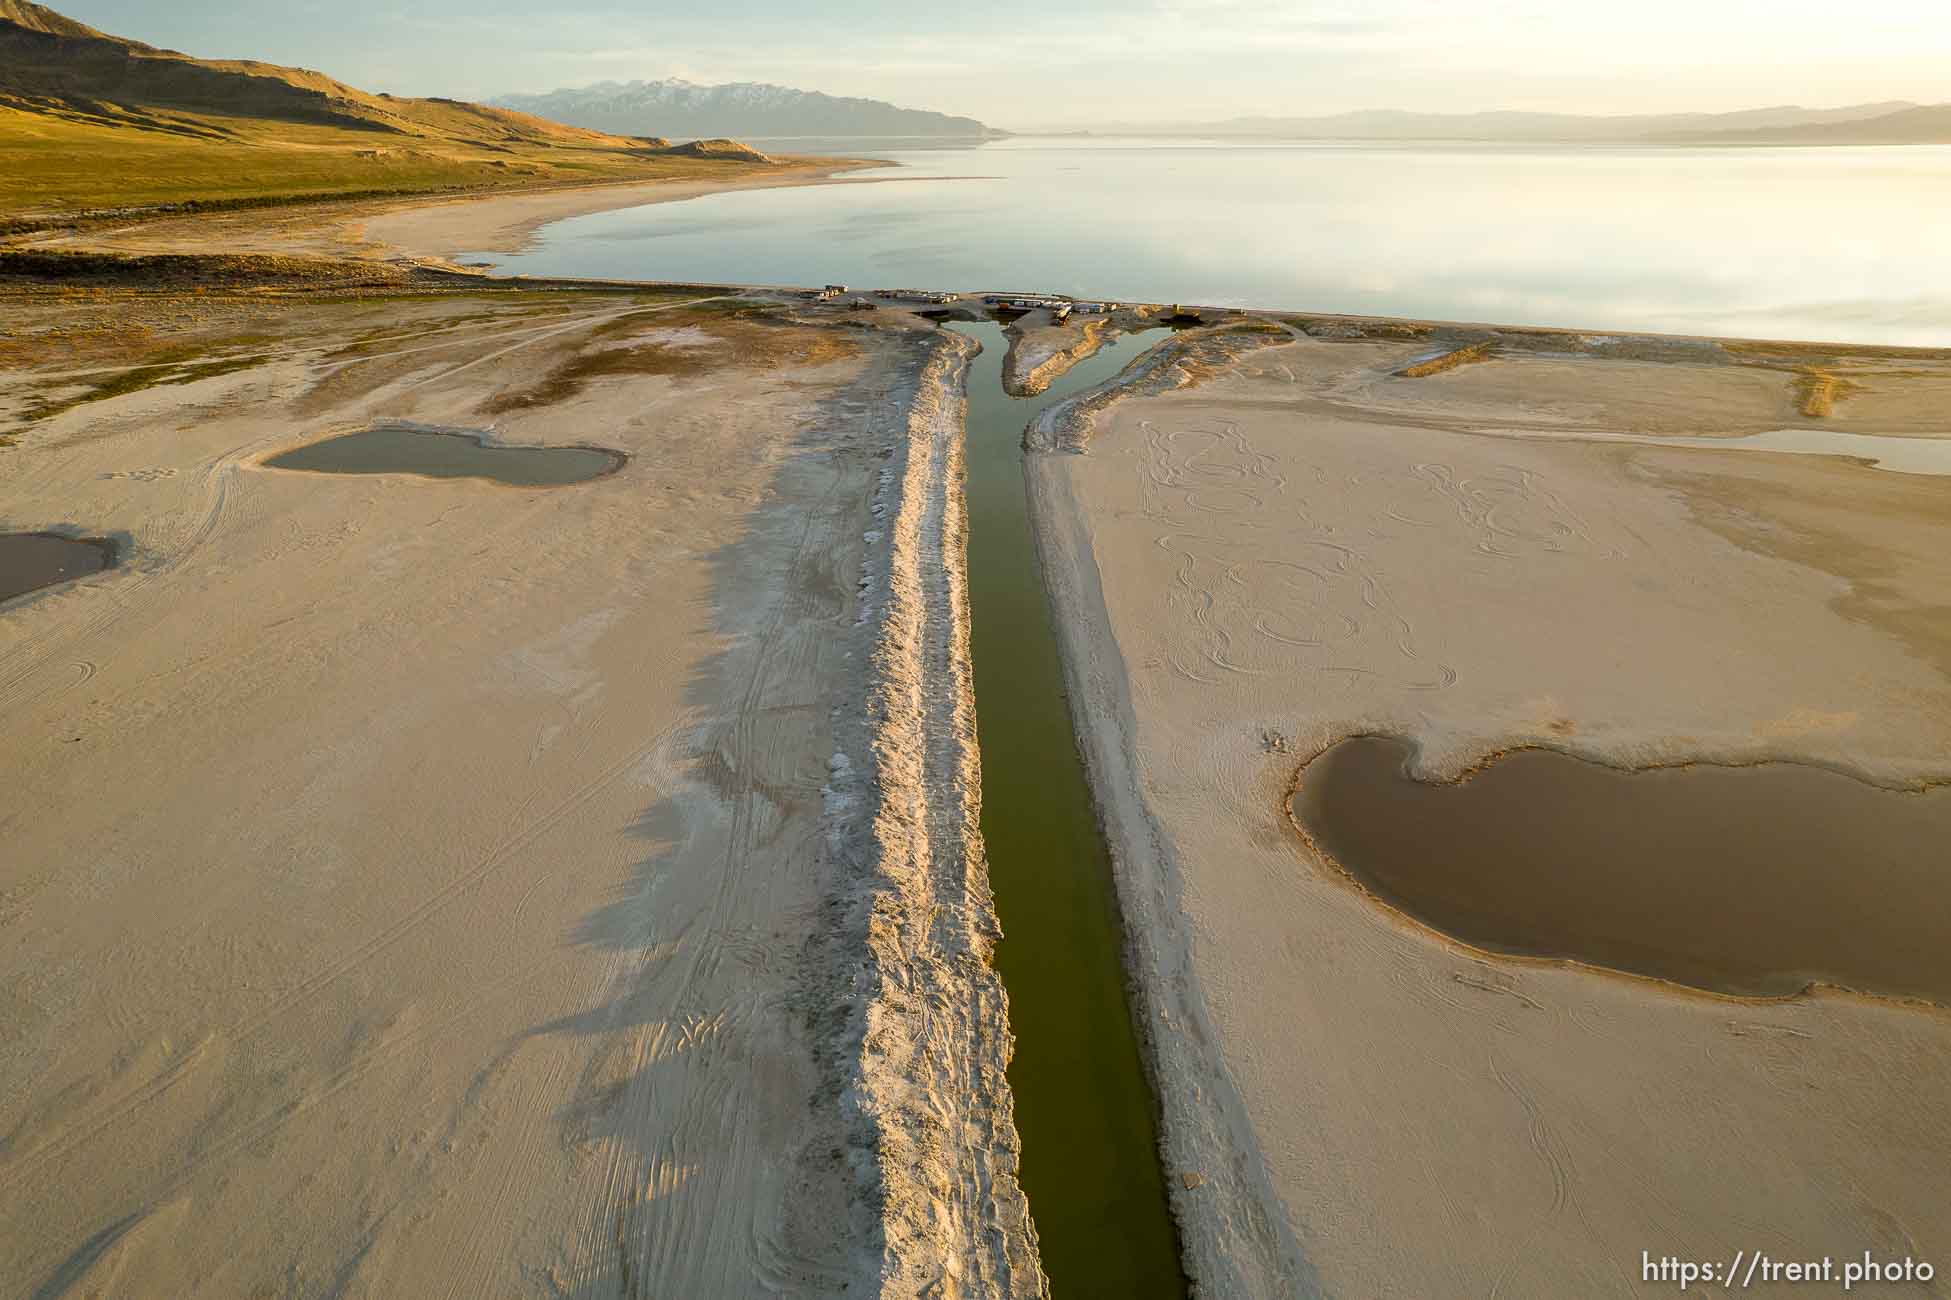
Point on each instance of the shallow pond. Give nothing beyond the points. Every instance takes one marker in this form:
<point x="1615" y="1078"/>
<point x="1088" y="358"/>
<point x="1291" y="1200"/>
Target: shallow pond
<point x="1751" y="880"/>
<point x="1084" y="1106"/>
<point x="1882" y="451"/>
<point x="30" y="561"/>
<point x="443" y="453"/>
<point x="1892" y="453"/>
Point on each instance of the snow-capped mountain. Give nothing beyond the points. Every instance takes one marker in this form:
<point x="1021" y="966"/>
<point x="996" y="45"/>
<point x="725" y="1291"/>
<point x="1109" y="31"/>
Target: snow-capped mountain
<point x="677" y="108"/>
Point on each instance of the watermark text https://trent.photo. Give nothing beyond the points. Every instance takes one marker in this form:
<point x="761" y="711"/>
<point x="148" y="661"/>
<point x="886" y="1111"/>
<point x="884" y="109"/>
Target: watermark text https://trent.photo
<point x="1751" y="1268"/>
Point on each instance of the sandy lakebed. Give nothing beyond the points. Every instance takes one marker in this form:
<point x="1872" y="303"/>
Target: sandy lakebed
<point x="431" y="886"/>
<point x="1280" y="539"/>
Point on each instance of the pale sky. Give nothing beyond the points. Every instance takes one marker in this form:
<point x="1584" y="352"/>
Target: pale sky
<point x="1024" y="63"/>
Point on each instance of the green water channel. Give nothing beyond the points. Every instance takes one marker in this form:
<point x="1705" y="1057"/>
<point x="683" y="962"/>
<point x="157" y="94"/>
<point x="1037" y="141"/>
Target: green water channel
<point x="1084" y="1106"/>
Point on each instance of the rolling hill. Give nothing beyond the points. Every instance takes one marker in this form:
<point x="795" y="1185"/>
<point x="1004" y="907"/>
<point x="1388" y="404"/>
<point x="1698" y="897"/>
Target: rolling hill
<point x="89" y="120"/>
<point x="745" y="108"/>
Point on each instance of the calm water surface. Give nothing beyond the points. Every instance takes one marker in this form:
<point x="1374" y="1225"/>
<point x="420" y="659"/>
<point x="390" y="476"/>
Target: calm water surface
<point x="1839" y="244"/>
<point x="1748" y="880"/>
<point x="437" y="453"/>
<point x="1892" y="453"/>
<point x="1084" y="1108"/>
<point x="30" y="561"/>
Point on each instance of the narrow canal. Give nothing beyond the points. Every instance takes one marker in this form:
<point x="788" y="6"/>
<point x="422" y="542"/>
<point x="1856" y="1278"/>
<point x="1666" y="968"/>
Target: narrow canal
<point x="1084" y="1106"/>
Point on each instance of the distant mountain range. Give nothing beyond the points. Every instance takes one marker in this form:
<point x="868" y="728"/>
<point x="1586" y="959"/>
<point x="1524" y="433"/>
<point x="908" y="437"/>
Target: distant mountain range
<point x="674" y="107"/>
<point x="1912" y="124"/>
<point x="1889" y="122"/>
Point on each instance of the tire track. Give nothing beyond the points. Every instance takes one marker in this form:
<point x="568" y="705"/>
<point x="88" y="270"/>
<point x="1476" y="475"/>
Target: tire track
<point x="240" y="1032"/>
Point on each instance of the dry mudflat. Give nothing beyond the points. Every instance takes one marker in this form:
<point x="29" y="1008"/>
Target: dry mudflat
<point x="425" y="886"/>
<point x="1284" y="540"/>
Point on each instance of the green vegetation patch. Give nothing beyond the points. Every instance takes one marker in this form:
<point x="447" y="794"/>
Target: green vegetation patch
<point x="739" y="337"/>
<point x="1818" y="391"/>
<point x="1448" y="361"/>
<point x="191" y="270"/>
<point x="56" y="165"/>
<point x="121" y="383"/>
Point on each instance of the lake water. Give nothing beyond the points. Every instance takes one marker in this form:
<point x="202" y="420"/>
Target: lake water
<point x="1892" y="453"/>
<point x="1834" y="244"/>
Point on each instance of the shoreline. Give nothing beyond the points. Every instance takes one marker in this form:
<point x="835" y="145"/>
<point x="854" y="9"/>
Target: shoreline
<point x="447" y="227"/>
<point x="431" y="227"/>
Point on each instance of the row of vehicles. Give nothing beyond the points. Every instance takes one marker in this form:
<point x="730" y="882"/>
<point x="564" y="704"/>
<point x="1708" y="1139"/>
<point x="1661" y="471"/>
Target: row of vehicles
<point x="1059" y="307"/>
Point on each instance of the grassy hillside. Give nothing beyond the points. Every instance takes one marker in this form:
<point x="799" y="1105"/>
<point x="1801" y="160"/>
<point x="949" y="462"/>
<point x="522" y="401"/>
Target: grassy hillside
<point x="91" y="122"/>
<point x="53" y="164"/>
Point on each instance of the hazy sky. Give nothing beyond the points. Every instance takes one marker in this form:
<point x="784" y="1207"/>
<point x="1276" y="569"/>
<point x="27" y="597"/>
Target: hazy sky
<point x="1018" y="63"/>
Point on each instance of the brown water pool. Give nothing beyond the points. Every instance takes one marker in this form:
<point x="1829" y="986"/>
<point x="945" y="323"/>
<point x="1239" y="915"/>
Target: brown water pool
<point x="30" y="561"/>
<point x="1752" y="880"/>
<point x="443" y="453"/>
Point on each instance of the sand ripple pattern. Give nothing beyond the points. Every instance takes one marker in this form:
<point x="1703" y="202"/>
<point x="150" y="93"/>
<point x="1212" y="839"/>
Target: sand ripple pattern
<point x="1319" y="606"/>
<point x="1511" y="512"/>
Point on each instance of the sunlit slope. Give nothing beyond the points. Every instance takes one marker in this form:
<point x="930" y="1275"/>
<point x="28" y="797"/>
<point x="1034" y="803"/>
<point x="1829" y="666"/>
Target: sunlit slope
<point x="89" y="120"/>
